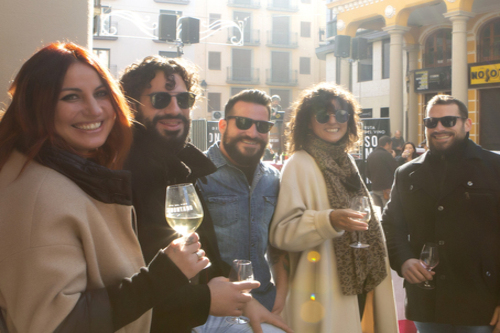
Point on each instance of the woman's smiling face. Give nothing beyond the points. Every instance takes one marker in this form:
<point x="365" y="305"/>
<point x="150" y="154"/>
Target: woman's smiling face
<point x="84" y="115"/>
<point x="331" y="131"/>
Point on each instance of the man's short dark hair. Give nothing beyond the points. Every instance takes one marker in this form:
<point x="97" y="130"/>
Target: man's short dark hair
<point x="250" y="96"/>
<point x="138" y="76"/>
<point x="384" y="140"/>
<point x="448" y="100"/>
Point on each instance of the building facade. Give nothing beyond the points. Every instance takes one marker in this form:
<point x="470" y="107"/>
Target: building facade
<point x="273" y="51"/>
<point x="420" y="48"/>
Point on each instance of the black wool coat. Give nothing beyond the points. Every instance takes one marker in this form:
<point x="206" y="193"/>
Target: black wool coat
<point x="155" y="166"/>
<point x="460" y="211"/>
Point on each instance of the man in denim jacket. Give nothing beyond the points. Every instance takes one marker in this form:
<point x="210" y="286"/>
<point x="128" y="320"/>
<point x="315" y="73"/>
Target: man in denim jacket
<point x="241" y="194"/>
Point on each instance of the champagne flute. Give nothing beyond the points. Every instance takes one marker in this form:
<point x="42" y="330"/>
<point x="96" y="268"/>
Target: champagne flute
<point x="241" y="270"/>
<point x="362" y="205"/>
<point x="183" y="209"/>
<point x="429" y="258"/>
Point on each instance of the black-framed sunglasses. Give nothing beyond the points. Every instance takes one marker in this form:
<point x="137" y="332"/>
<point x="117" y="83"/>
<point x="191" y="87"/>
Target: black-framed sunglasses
<point x="448" y="121"/>
<point x="244" y="123"/>
<point x="161" y="100"/>
<point x="341" y="116"/>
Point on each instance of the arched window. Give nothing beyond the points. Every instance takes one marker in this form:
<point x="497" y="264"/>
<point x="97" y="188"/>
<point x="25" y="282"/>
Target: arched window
<point x="489" y="43"/>
<point x="437" y="50"/>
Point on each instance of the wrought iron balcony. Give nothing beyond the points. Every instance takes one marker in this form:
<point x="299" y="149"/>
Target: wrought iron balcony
<point x="280" y="78"/>
<point x="242" y="75"/>
<point x="244" y="3"/>
<point x="250" y="37"/>
<point x="285" y="39"/>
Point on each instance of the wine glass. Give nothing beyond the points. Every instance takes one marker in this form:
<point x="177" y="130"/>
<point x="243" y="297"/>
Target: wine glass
<point x="362" y="205"/>
<point x="429" y="258"/>
<point x="183" y="209"/>
<point x="241" y="270"/>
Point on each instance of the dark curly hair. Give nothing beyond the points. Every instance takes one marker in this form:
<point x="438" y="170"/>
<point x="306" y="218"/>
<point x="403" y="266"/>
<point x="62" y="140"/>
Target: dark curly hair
<point x="317" y="97"/>
<point x="138" y="76"/>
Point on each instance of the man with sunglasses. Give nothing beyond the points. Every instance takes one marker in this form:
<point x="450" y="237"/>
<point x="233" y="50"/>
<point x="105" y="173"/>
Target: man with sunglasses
<point x="449" y="196"/>
<point x="162" y="92"/>
<point x="380" y="167"/>
<point x="241" y="195"/>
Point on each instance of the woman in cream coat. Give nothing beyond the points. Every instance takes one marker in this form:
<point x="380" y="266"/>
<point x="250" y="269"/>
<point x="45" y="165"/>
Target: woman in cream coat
<point x="330" y="282"/>
<point x="70" y="260"/>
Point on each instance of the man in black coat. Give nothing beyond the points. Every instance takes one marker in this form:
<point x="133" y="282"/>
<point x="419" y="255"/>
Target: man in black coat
<point x="380" y="168"/>
<point x="449" y="196"/>
<point x="162" y="93"/>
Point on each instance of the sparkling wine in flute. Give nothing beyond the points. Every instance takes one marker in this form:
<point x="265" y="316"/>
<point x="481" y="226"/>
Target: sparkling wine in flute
<point x="241" y="270"/>
<point x="362" y="205"/>
<point x="429" y="258"/>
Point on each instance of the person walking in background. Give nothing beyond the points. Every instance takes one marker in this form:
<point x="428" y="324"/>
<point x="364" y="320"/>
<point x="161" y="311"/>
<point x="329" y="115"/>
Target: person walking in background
<point x="380" y="167"/>
<point x="331" y="283"/>
<point x="449" y="196"/>
<point x="69" y="257"/>
<point x="241" y="197"/>
<point x="398" y="143"/>
<point x="162" y="92"/>
<point x="409" y="153"/>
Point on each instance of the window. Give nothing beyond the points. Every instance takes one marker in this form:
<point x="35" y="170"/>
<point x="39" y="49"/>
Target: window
<point x="242" y="65"/>
<point x="331" y="23"/>
<point x="171" y="12"/>
<point x="280" y="67"/>
<point x="384" y="112"/>
<point x="365" y="66"/>
<point x="246" y="18"/>
<point x="305" y="65"/>
<point x="386" y="58"/>
<point x="168" y="54"/>
<point x="438" y="49"/>
<point x="103" y="56"/>
<point x="102" y="23"/>
<point x="212" y="21"/>
<point x="281" y="30"/>
<point x="366" y="113"/>
<point x="305" y="29"/>
<point x="214" y="102"/>
<point x="489" y="45"/>
<point x="305" y="1"/>
<point x="214" y="61"/>
<point x="235" y="90"/>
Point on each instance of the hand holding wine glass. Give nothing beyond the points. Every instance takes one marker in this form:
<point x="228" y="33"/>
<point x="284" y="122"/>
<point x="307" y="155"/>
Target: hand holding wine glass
<point x="362" y="205"/>
<point x="184" y="212"/>
<point x="241" y="270"/>
<point x="429" y="258"/>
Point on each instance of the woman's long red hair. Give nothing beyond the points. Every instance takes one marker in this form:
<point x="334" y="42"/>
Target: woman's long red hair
<point x="28" y="122"/>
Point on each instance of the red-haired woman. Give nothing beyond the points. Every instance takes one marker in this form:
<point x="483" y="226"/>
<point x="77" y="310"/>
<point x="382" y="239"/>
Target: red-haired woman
<point x="69" y="257"/>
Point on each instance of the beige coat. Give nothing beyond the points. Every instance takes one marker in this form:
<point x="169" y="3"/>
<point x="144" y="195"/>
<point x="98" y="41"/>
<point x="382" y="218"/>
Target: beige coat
<point x="56" y="242"/>
<point x="301" y="225"/>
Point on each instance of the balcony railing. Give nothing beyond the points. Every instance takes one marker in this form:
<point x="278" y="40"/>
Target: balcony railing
<point x="280" y="78"/>
<point x="244" y="3"/>
<point x="284" y="39"/>
<point x="283" y="5"/>
<point x="250" y="37"/>
<point x="242" y="75"/>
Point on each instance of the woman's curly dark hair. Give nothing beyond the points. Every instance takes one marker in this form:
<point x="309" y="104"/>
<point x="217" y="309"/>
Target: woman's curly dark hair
<point x="138" y="76"/>
<point x="316" y="98"/>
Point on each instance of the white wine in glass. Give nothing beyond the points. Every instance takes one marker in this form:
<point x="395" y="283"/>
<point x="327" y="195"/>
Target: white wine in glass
<point x="362" y="205"/>
<point x="429" y="258"/>
<point x="183" y="209"/>
<point x="241" y="270"/>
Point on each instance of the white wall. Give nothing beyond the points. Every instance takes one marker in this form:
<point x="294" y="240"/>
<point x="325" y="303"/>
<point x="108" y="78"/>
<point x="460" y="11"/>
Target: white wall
<point x="27" y="25"/>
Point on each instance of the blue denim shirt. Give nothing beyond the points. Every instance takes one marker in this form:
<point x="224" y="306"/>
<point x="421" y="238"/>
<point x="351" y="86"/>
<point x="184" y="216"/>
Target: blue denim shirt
<point x="241" y="214"/>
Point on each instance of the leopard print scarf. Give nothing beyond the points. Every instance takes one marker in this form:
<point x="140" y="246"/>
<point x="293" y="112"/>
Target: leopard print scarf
<point x="360" y="270"/>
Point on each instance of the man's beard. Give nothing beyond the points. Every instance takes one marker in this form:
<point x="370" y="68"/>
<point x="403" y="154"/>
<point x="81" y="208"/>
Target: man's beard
<point x="230" y="145"/>
<point x="172" y="140"/>
<point x="453" y="148"/>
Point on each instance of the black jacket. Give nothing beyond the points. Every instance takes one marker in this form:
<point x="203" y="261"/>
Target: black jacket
<point x="380" y="167"/>
<point x="154" y="166"/>
<point x="454" y="202"/>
